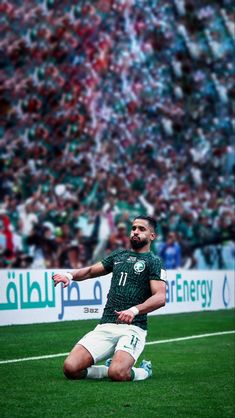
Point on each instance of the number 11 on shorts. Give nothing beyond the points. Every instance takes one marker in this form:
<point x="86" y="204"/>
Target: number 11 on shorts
<point x="134" y="340"/>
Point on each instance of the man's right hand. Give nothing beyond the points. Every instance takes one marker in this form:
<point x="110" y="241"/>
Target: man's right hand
<point x="60" y="278"/>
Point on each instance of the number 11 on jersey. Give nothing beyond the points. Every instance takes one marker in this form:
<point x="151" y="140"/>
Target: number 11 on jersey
<point x="123" y="278"/>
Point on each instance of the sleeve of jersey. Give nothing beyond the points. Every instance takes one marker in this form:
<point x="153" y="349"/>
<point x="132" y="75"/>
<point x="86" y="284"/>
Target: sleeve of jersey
<point x="157" y="271"/>
<point x="108" y="262"/>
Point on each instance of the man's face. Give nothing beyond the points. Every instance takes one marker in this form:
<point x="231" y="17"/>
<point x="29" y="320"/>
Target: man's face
<point x="171" y="238"/>
<point x="141" y="234"/>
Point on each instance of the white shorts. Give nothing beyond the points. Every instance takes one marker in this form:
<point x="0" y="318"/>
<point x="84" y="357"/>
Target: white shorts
<point x="106" y="339"/>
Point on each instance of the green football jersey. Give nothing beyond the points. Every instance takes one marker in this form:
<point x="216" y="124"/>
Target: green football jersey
<point x="130" y="283"/>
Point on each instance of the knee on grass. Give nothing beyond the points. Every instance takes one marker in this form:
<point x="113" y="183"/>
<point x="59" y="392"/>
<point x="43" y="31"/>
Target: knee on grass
<point x="117" y="373"/>
<point x="72" y="372"/>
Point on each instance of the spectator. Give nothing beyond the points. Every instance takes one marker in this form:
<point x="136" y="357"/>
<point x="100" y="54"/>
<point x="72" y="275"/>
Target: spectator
<point x="117" y="107"/>
<point x="119" y="239"/>
<point x="170" y="252"/>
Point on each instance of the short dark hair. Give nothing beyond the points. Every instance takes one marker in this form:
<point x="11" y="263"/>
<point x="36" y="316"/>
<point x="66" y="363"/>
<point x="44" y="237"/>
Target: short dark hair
<point x="151" y="221"/>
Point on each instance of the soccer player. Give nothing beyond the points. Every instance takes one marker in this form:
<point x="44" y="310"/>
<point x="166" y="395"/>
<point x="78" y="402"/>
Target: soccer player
<point x="137" y="288"/>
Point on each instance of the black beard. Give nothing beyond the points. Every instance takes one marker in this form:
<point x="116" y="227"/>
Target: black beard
<point x="137" y="244"/>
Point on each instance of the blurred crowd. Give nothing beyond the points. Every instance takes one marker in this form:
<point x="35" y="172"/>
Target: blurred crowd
<point x="109" y="109"/>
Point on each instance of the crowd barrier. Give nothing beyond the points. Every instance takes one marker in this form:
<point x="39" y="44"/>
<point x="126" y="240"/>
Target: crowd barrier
<point x="29" y="296"/>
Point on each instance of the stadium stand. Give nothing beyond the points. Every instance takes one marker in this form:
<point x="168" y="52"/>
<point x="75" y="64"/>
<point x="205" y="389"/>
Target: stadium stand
<point x="111" y="109"/>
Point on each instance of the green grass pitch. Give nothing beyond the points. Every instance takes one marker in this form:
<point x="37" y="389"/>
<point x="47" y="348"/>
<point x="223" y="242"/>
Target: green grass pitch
<point x="191" y="378"/>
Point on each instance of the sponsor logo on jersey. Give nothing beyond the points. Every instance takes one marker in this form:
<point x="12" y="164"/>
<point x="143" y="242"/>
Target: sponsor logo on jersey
<point x="139" y="266"/>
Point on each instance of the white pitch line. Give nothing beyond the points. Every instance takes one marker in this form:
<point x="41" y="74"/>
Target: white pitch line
<point x="16" y="360"/>
<point x="191" y="337"/>
<point x="172" y="340"/>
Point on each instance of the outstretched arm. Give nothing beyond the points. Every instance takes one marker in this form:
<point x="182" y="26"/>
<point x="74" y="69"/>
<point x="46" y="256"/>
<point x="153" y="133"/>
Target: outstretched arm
<point x="156" y="301"/>
<point x="78" y="275"/>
